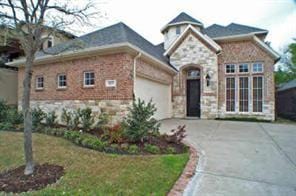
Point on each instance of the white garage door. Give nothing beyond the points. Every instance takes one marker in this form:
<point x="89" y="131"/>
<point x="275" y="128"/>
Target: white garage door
<point x="160" y="94"/>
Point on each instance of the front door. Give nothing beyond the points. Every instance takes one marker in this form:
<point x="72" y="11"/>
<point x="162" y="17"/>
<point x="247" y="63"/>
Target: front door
<point x="193" y="98"/>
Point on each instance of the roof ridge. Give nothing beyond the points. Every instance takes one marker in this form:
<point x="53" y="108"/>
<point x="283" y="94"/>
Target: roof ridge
<point x="242" y="25"/>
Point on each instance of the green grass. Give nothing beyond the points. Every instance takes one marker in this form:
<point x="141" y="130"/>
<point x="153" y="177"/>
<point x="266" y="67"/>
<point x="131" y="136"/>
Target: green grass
<point x="90" y="172"/>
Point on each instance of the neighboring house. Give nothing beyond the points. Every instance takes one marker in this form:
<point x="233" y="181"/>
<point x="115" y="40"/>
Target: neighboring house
<point x="213" y="72"/>
<point x="8" y="85"/>
<point x="10" y="48"/>
<point x="286" y="100"/>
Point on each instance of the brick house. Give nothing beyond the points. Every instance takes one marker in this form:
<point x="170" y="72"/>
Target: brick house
<point x="207" y="72"/>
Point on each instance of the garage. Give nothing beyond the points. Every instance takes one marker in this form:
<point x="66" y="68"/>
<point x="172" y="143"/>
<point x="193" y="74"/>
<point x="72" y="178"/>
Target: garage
<point x="160" y="94"/>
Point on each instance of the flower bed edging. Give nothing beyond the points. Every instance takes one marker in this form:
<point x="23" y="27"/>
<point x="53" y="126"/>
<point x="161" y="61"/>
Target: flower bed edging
<point x="187" y="173"/>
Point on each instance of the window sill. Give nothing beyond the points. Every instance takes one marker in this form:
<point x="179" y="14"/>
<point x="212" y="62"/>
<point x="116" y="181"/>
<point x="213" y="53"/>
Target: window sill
<point x="89" y="86"/>
<point x="61" y="88"/>
<point x="39" y="89"/>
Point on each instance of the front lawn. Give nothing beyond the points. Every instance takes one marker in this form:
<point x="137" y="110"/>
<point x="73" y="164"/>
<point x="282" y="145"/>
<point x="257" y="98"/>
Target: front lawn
<point x="89" y="172"/>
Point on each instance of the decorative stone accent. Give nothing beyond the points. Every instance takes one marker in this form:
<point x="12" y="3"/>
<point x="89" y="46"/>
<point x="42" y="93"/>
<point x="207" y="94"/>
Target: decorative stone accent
<point x="193" y="53"/>
<point x="187" y="174"/>
<point x="117" y="109"/>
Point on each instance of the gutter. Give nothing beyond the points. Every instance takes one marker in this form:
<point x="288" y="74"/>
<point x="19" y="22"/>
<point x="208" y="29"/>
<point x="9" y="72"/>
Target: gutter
<point x="134" y="73"/>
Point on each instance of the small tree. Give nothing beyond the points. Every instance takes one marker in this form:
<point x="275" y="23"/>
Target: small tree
<point x="139" y="123"/>
<point x="29" y="18"/>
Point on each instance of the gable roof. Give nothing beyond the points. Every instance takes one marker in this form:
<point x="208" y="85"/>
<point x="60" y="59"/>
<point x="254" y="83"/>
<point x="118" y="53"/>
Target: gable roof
<point x="182" y="18"/>
<point x="213" y="45"/>
<point x="288" y="85"/>
<point x="215" y="30"/>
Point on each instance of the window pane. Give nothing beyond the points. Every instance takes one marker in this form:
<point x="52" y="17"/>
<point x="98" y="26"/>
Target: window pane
<point x="89" y="78"/>
<point x="39" y="82"/>
<point x="243" y="68"/>
<point x="178" y="30"/>
<point x="62" y="80"/>
<point x="230" y="94"/>
<point x="257" y="94"/>
<point x="257" y="67"/>
<point x="243" y="94"/>
<point x="230" y="68"/>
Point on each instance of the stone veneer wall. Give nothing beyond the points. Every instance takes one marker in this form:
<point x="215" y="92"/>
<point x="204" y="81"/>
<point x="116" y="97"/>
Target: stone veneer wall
<point x="193" y="52"/>
<point x="247" y="52"/>
<point x="116" y="109"/>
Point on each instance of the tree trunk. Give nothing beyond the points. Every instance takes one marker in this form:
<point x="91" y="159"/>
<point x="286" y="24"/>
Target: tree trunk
<point x="29" y="169"/>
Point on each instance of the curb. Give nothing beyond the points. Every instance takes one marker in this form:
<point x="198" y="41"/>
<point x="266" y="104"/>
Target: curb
<point x="187" y="174"/>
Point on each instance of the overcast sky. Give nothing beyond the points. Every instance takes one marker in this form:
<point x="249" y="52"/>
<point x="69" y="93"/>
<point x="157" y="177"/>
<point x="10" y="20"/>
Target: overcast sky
<point x="147" y="17"/>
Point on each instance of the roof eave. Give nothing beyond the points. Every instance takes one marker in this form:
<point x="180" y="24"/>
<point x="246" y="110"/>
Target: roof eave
<point x="91" y="52"/>
<point x="232" y="37"/>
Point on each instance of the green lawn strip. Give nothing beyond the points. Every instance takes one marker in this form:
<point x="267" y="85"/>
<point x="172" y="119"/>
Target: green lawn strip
<point x="89" y="172"/>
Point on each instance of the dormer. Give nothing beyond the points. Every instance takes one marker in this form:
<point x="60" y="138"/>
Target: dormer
<point x="174" y="28"/>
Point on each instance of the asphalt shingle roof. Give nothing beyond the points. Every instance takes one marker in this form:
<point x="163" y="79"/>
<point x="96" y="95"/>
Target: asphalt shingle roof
<point x="182" y="17"/>
<point x="115" y="34"/>
<point x="288" y="85"/>
<point x="216" y="30"/>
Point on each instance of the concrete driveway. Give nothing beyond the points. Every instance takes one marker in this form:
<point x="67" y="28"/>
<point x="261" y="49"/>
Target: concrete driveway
<point x="241" y="158"/>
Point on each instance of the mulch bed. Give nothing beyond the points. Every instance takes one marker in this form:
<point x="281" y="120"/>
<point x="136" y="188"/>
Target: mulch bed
<point x="15" y="181"/>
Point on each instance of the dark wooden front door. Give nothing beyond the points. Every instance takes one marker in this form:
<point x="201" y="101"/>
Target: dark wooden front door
<point x="193" y="98"/>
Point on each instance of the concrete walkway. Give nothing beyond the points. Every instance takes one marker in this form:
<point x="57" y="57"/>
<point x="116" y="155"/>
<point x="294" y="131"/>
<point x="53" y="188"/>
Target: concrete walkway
<point x="241" y="158"/>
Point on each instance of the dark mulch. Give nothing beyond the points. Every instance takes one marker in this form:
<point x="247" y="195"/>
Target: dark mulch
<point x="15" y="181"/>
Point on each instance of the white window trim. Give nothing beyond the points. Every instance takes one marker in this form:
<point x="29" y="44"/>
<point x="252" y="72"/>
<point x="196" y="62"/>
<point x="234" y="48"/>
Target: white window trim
<point x="243" y="64"/>
<point x="36" y="83"/>
<point x="88" y="85"/>
<point x="61" y="87"/>
<point x="257" y="71"/>
<point x="231" y="73"/>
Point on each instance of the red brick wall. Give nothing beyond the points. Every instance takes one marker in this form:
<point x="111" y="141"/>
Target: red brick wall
<point x="246" y="52"/>
<point x="115" y="66"/>
<point x="148" y="70"/>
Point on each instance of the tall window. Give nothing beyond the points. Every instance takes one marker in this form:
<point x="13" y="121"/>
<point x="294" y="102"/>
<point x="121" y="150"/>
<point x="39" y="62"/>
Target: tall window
<point x="62" y="81"/>
<point x="230" y="94"/>
<point x="243" y="94"/>
<point x="89" y="78"/>
<point x="50" y="42"/>
<point x="257" y="93"/>
<point x="39" y="82"/>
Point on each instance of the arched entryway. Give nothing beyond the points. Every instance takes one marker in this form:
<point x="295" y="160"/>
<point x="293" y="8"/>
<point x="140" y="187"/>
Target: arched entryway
<point x="193" y="89"/>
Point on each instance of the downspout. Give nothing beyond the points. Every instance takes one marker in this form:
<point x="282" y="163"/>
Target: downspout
<point x="134" y="73"/>
<point x="218" y="87"/>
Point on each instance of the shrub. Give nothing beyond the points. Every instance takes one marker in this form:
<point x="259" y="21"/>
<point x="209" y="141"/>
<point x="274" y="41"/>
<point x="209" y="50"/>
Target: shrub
<point x="87" y="120"/>
<point x="133" y="149"/>
<point x="66" y="118"/>
<point x="71" y="135"/>
<point x="3" y="110"/>
<point x="6" y="126"/>
<point x="50" y="119"/>
<point x="114" y="134"/>
<point x="103" y="120"/>
<point x="37" y="117"/>
<point x="171" y="150"/>
<point x="97" y="144"/>
<point x="152" y="148"/>
<point x="14" y="116"/>
<point x="139" y="123"/>
<point x="76" y="119"/>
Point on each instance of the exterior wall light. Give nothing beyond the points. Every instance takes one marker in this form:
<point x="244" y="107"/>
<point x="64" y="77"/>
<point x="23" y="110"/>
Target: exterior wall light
<point x="208" y="78"/>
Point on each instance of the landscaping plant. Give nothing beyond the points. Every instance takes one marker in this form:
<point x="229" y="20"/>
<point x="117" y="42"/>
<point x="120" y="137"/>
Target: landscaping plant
<point x="50" y="119"/>
<point x="139" y="122"/>
<point x="87" y="119"/>
<point x="37" y="117"/>
<point x="67" y="117"/>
